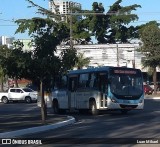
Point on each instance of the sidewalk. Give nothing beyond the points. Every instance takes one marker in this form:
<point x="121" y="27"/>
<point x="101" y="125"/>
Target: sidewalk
<point x="14" y="126"/>
<point x="152" y="96"/>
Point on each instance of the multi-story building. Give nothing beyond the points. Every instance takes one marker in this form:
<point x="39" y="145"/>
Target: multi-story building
<point x="4" y="40"/>
<point x="63" y="7"/>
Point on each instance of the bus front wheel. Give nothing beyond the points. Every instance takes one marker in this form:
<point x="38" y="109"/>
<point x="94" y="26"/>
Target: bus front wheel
<point x="93" y="108"/>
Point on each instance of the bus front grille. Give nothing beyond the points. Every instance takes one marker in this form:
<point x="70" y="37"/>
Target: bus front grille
<point x="128" y="106"/>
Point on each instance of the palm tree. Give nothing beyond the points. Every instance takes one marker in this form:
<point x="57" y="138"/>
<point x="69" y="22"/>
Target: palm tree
<point x="82" y="61"/>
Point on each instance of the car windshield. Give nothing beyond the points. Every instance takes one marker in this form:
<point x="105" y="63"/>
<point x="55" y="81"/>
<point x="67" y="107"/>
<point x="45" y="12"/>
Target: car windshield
<point x="126" y="85"/>
<point x="28" y="90"/>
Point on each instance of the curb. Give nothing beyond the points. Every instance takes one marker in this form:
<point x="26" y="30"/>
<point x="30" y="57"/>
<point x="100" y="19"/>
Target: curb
<point x="152" y="98"/>
<point x="37" y="129"/>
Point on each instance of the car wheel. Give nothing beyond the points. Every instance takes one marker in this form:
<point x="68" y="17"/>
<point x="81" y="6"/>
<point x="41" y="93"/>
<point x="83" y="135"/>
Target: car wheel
<point x="28" y="99"/>
<point x="5" y="100"/>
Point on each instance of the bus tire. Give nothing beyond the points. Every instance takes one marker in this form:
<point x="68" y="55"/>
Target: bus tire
<point x="93" y="108"/>
<point x="55" y="107"/>
<point x="4" y="100"/>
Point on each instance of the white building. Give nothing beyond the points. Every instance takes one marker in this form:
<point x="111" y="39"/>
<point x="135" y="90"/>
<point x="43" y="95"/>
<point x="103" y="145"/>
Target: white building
<point x="4" y="40"/>
<point x="111" y="54"/>
<point x="26" y="45"/>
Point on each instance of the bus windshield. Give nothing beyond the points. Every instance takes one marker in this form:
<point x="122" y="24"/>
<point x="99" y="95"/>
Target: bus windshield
<point x="126" y="83"/>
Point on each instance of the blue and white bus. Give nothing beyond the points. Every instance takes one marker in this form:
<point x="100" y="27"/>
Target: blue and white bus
<point x="101" y="88"/>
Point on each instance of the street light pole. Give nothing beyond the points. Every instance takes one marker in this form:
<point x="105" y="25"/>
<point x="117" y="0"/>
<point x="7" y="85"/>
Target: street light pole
<point x="71" y="33"/>
<point x="133" y="62"/>
<point x="132" y="59"/>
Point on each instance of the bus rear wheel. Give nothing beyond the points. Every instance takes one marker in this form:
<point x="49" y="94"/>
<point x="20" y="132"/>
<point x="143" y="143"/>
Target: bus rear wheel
<point x="93" y="108"/>
<point x="55" y="107"/>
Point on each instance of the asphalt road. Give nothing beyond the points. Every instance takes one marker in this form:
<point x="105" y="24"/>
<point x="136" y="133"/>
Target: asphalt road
<point x="123" y="128"/>
<point x="135" y="124"/>
<point x="14" y="108"/>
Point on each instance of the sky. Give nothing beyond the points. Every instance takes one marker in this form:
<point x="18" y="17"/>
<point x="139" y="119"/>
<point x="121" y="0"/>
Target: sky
<point x="11" y="10"/>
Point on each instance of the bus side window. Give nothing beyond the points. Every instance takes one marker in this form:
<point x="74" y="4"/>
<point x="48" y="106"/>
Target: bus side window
<point x="83" y="80"/>
<point x="92" y="79"/>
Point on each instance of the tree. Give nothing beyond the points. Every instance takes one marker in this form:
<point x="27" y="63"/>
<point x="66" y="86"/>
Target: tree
<point x="120" y="29"/>
<point x="45" y="64"/>
<point x="68" y="59"/>
<point x="150" y="36"/>
<point x="4" y="52"/>
<point x="111" y="27"/>
<point x="14" y="63"/>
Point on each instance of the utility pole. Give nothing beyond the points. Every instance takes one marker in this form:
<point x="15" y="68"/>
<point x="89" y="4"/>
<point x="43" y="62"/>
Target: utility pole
<point x="134" y="60"/>
<point x="71" y="32"/>
<point x="117" y="55"/>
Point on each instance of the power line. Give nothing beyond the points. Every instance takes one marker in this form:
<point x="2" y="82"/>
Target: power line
<point x="7" y="25"/>
<point x="130" y="22"/>
<point x="7" y="20"/>
<point x="113" y="13"/>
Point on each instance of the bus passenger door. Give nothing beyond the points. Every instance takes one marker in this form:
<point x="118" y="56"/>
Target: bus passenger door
<point x="72" y="92"/>
<point x="103" y="89"/>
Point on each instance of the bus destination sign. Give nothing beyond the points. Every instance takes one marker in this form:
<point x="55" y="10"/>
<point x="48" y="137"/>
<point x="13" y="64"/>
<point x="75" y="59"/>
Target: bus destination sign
<point x="124" y="71"/>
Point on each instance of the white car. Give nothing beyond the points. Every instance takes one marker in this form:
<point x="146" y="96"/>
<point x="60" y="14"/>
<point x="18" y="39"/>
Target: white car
<point x="19" y="94"/>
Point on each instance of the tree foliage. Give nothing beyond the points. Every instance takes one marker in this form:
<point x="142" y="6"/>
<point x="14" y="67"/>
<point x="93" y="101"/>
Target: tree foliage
<point x="110" y="27"/>
<point x="150" y="36"/>
<point x="15" y="62"/>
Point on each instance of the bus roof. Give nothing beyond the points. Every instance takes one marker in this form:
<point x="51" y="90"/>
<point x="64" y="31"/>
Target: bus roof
<point x="96" y="69"/>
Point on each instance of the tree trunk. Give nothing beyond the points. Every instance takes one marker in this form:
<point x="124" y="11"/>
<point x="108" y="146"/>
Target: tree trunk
<point x="43" y="104"/>
<point x="2" y="84"/>
<point x="16" y="82"/>
<point x="155" y="80"/>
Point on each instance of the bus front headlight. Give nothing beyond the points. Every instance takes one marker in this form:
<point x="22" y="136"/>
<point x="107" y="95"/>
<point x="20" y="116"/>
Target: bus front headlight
<point x="113" y="100"/>
<point x="141" y="101"/>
